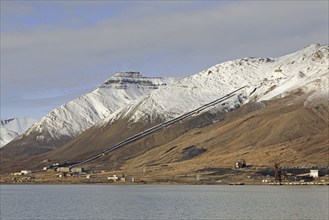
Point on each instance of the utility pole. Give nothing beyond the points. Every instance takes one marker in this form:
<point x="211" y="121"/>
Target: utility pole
<point x="277" y="171"/>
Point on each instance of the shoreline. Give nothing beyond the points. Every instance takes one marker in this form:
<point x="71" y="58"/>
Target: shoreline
<point x="246" y="176"/>
<point x="166" y="183"/>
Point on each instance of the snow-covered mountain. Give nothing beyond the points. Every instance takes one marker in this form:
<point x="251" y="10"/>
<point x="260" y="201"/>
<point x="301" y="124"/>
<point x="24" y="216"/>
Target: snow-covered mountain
<point x="71" y="119"/>
<point x="128" y="103"/>
<point x="135" y="98"/>
<point x="302" y="75"/>
<point x="266" y="78"/>
<point x="12" y="128"/>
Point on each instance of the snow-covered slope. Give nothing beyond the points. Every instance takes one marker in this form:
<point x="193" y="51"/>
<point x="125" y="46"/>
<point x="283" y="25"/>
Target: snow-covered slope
<point x="72" y="118"/>
<point x="12" y="128"/>
<point x="266" y="78"/>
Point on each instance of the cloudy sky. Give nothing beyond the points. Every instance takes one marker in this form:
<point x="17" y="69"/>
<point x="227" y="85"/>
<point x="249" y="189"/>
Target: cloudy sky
<point x="54" y="51"/>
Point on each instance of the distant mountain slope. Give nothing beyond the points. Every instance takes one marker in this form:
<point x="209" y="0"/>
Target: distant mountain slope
<point x="71" y="119"/>
<point x="12" y="128"/>
<point x="305" y="71"/>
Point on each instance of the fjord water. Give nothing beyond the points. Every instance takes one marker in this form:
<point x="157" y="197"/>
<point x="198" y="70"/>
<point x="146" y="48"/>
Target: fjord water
<point x="162" y="202"/>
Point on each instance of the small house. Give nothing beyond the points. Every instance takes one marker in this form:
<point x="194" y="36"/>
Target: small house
<point x="113" y="178"/>
<point x="314" y="173"/>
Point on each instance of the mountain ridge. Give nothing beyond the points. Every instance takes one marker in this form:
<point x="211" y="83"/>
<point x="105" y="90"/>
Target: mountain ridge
<point x="266" y="77"/>
<point x="72" y="118"/>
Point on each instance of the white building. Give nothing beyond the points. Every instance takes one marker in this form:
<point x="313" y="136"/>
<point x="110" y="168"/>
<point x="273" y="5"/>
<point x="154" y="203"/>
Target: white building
<point x="113" y="178"/>
<point x="25" y="172"/>
<point x="314" y="173"/>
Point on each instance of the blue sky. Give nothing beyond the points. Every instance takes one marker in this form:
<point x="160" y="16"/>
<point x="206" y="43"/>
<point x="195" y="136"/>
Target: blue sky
<point x="54" y="51"/>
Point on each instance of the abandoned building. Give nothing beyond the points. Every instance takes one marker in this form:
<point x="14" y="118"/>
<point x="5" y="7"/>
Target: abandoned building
<point x="70" y="169"/>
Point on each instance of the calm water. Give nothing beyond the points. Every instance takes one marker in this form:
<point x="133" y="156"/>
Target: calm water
<point x="162" y="202"/>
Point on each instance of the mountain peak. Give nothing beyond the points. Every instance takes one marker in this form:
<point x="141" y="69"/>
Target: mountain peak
<point x="124" y="77"/>
<point x="129" y="74"/>
<point x="125" y="80"/>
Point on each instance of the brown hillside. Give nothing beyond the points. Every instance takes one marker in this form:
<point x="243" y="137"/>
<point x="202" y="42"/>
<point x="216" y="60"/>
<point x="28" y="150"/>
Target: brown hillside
<point x="283" y="130"/>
